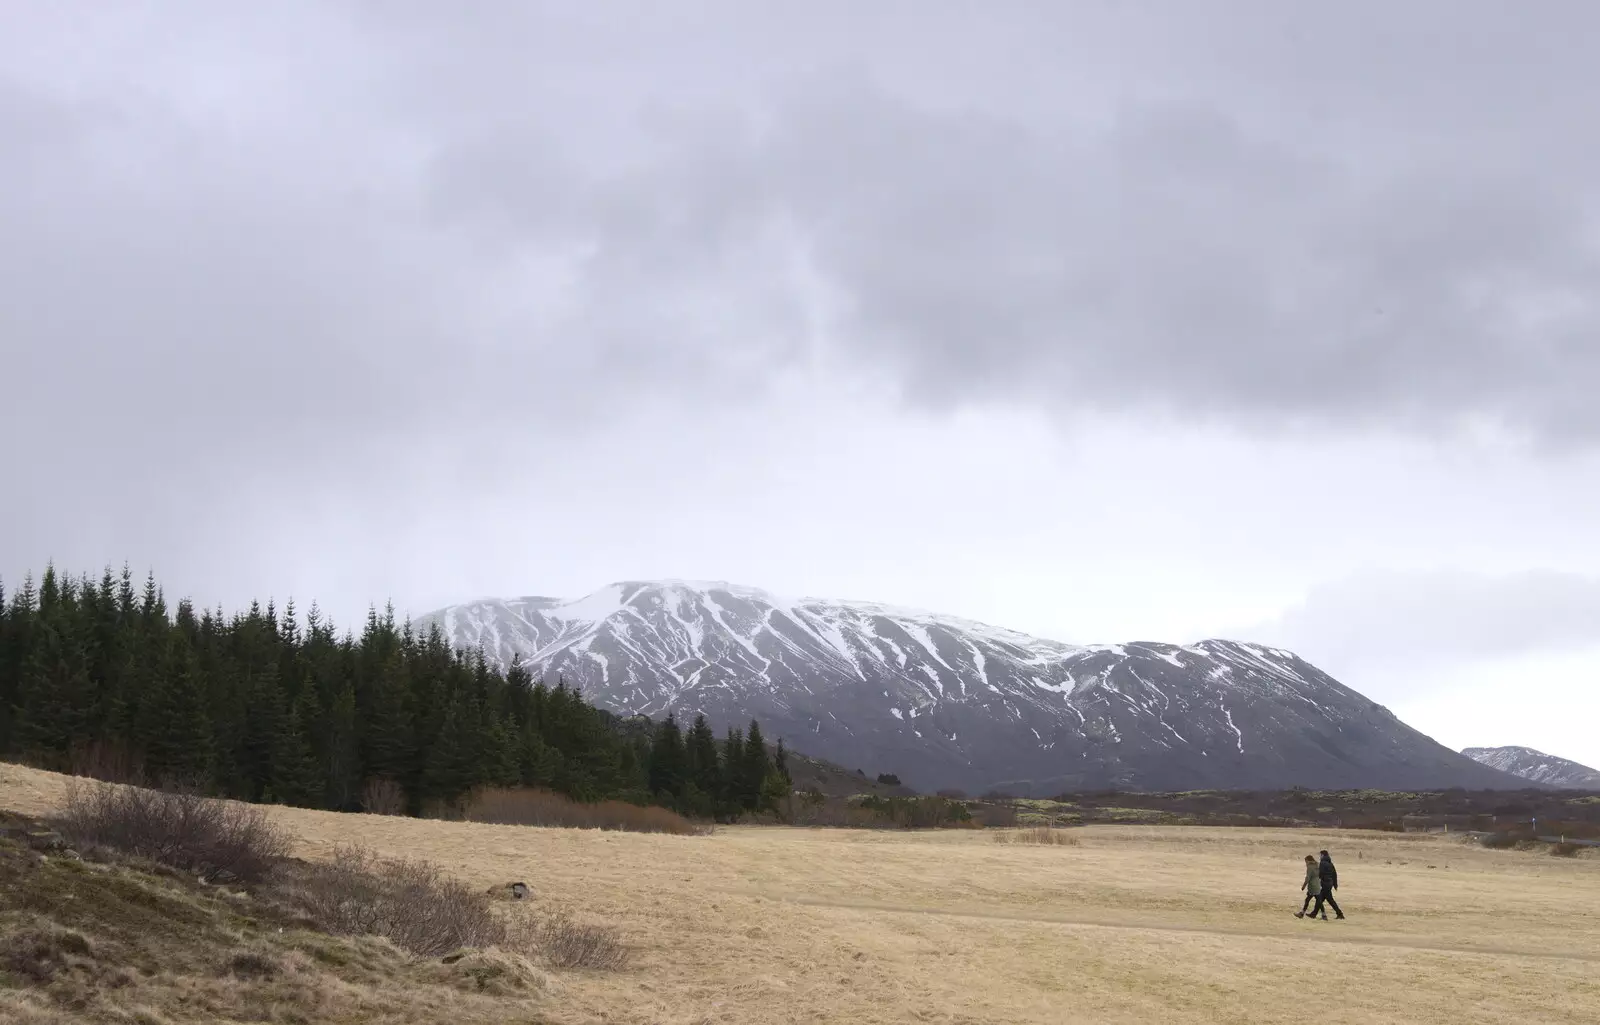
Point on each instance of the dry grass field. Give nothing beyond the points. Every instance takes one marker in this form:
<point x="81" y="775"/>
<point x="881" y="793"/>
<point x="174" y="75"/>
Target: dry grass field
<point x="1130" y="924"/>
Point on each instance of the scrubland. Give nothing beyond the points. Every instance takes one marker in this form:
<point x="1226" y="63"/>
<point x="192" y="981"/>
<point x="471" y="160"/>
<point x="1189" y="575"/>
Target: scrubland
<point x="1130" y="923"/>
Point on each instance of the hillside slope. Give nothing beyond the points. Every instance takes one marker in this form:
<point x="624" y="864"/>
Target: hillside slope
<point x="946" y="702"/>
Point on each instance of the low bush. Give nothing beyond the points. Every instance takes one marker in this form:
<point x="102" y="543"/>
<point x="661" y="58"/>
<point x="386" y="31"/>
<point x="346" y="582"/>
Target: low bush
<point x="415" y="905"/>
<point x="565" y="943"/>
<point x="528" y="806"/>
<point x="217" y="840"/>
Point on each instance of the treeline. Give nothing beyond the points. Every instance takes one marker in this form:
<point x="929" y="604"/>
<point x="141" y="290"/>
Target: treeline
<point x="98" y="677"/>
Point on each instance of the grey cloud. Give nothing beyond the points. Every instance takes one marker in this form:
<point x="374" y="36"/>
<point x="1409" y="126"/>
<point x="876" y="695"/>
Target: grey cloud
<point x="1161" y="254"/>
<point x="245" y="247"/>
<point x="1253" y="216"/>
<point x="1399" y="620"/>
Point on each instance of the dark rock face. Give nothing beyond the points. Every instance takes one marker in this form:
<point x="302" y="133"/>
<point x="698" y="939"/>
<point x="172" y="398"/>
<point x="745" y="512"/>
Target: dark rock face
<point x="948" y="703"/>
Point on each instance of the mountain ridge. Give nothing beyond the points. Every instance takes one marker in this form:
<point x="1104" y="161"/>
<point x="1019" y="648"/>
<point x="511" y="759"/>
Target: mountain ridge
<point x="949" y="702"/>
<point x="1536" y="766"/>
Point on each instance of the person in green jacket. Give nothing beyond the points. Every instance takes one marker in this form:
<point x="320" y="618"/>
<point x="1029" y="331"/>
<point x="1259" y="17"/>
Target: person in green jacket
<point x="1312" y="886"/>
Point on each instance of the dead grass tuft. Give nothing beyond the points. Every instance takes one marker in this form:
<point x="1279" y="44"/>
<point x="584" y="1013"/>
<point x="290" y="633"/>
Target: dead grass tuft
<point x="494" y="972"/>
<point x="1042" y="835"/>
<point x="39" y="953"/>
<point x="253" y="964"/>
<point x="216" y="840"/>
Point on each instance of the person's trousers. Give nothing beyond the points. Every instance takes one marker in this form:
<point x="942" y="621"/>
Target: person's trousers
<point x="1307" y="902"/>
<point x="1326" y="897"/>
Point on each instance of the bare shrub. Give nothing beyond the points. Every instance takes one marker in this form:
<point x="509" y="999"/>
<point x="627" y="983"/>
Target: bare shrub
<point x="1043" y="835"/>
<point x="1565" y="850"/>
<point x="383" y="797"/>
<point x="564" y="942"/>
<point x="217" y="840"/>
<point x="530" y="806"/>
<point x="415" y="905"/>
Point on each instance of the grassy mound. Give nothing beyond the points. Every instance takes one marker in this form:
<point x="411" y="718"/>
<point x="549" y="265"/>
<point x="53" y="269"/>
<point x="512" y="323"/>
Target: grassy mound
<point x="108" y="938"/>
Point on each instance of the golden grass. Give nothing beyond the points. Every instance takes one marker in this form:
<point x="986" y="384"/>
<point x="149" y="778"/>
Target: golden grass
<point x="1135" y="924"/>
<point x="1046" y="836"/>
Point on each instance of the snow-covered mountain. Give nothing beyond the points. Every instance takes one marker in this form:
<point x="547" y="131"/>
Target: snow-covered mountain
<point x="945" y="702"/>
<point x="1537" y="766"/>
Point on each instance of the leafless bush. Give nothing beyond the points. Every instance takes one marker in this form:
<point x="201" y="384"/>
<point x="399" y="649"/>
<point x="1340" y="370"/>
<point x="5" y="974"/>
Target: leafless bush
<point x="383" y="797"/>
<point x="217" y="840"/>
<point x="528" y="806"/>
<point x="414" y="904"/>
<point x="1044" y="835"/>
<point x="566" y="943"/>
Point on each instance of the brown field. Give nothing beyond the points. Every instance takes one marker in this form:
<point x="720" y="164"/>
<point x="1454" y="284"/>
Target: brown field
<point x="1131" y="924"/>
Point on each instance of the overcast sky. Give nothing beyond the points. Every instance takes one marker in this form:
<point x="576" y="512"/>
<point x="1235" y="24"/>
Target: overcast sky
<point x="1102" y="320"/>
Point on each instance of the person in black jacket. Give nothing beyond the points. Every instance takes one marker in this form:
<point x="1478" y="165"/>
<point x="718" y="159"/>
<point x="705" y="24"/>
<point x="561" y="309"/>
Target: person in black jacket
<point x="1329" y="877"/>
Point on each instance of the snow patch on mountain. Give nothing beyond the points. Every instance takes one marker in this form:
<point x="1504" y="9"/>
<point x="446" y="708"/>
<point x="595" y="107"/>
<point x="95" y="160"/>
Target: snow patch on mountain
<point x="947" y="701"/>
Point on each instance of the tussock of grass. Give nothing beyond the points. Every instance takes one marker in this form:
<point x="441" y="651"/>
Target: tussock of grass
<point x="1041" y="835"/>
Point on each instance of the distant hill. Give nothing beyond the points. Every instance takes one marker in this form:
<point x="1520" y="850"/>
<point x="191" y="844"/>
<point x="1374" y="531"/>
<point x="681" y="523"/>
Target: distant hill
<point x="947" y="703"/>
<point x="1537" y="766"/>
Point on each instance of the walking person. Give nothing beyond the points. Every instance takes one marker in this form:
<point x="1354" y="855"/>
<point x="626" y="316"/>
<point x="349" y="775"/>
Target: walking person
<point x="1313" y="887"/>
<point x="1329" y="877"/>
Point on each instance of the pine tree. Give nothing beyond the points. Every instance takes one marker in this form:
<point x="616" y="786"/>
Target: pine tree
<point x="780" y="762"/>
<point x="454" y="763"/>
<point x="178" y="735"/>
<point x="8" y="676"/>
<point x="342" y="757"/>
<point x="389" y="740"/>
<point x="728" y="785"/>
<point x="296" y="777"/>
<point x="668" y="762"/>
<point x="55" y="698"/>
<point x="502" y="763"/>
<point x="701" y="758"/>
<point x="754" y="768"/>
<point x="540" y="763"/>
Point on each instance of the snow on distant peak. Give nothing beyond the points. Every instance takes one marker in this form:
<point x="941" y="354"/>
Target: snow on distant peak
<point x="1537" y="766"/>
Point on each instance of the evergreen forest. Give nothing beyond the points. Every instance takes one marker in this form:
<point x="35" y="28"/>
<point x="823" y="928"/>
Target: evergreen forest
<point x="100" y="677"/>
